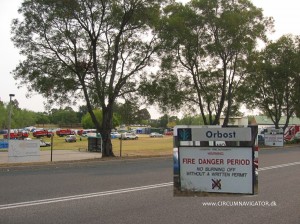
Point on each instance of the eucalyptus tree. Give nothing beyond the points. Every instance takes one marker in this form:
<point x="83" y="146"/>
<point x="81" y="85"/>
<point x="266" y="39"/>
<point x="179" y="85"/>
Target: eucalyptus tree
<point x="274" y="85"/>
<point x="93" y="50"/>
<point x="127" y="111"/>
<point x="4" y="115"/>
<point x="87" y="122"/>
<point x="64" y="116"/>
<point x="208" y="43"/>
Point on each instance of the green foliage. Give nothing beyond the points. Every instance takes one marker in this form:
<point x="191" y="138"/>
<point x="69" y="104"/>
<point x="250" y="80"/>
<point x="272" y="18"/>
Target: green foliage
<point x="81" y="112"/>
<point x="64" y="116"/>
<point x="42" y="118"/>
<point x="129" y="113"/>
<point x="143" y="115"/>
<point x="207" y="45"/>
<point x="23" y="118"/>
<point x="4" y="116"/>
<point x="89" y="124"/>
<point x="273" y="86"/>
<point x="19" y="118"/>
<point x="164" y="120"/>
<point x="69" y="43"/>
<point x="164" y="89"/>
<point x="167" y="121"/>
<point x="86" y="49"/>
<point x="191" y="120"/>
<point x="294" y="141"/>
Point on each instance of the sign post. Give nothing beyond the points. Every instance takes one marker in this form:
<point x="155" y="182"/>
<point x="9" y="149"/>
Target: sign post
<point x="205" y="166"/>
<point x="274" y="137"/>
<point x="23" y="151"/>
<point x="51" y="147"/>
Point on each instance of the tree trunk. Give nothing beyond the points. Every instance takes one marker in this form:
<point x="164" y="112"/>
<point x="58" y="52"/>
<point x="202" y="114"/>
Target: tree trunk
<point x="105" y="132"/>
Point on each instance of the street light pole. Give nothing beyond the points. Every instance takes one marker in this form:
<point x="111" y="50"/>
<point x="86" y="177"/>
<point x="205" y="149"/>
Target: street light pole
<point x="9" y="116"/>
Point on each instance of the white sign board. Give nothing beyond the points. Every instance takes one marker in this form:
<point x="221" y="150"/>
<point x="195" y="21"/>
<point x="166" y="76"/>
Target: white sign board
<point x="274" y="139"/>
<point x="216" y="169"/>
<point x="222" y="134"/>
<point x="211" y="133"/>
<point x="23" y="151"/>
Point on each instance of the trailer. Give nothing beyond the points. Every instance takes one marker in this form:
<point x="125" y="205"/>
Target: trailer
<point x="291" y="132"/>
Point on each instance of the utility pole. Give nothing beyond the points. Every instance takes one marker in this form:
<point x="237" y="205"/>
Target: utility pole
<point x="9" y="116"/>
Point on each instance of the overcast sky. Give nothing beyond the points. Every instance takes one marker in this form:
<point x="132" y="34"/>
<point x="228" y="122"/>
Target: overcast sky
<point x="285" y="13"/>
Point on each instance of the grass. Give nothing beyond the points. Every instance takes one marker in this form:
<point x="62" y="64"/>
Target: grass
<point x="144" y="146"/>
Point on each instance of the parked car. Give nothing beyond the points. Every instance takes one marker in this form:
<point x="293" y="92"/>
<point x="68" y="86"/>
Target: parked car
<point x="127" y="136"/>
<point x="86" y="132"/>
<point x="44" y="144"/>
<point x="115" y="134"/>
<point x="169" y="133"/>
<point x="2" y="132"/>
<point x="155" y="135"/>
<point x="70" y="138"/>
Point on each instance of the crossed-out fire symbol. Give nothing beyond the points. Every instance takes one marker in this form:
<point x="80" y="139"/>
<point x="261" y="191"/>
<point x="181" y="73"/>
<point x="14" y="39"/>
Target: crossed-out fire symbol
<point x="216" y="183"/>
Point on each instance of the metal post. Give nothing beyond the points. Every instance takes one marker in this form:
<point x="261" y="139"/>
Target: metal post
<point x="51" y="146"/>
<point x="121" y="146"/>
<point x="9" y="116"/>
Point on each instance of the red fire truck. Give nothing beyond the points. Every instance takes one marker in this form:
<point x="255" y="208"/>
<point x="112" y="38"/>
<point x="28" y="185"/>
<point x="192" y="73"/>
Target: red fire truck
<point x="41" y="133"/>
<point x="17" y="135"/>
<point x="64" y="132"/>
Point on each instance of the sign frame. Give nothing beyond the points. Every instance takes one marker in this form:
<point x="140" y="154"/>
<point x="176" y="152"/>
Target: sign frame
<point x="195" y="138"/>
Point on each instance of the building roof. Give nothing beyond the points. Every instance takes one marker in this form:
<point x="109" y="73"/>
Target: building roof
<point x="264" y="120"/>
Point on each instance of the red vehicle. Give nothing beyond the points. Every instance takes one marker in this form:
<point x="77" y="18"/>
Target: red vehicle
<point x="64" y="132"/>
<point x="41" y="133"/>
<point x="79" y="132"/>
<point x="290" y="132"/>
<point x="169" y="133"/>
<point x="16" y="135"/>
<point x="86" y="131"/>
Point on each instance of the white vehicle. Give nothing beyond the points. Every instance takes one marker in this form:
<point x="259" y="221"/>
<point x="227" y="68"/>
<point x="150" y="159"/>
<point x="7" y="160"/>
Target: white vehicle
<point x="115" y="134"/>
<point x="127" y="136"/>
<point x="155" y="135"/>
<point x="42" y="142"/>
<point x="70" y="138"/>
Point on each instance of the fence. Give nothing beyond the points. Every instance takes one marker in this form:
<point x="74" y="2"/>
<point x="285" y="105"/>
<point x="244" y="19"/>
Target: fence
<point x="53" y="126"/>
